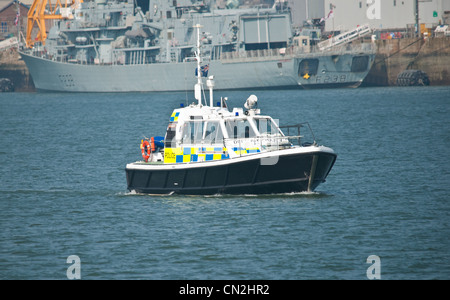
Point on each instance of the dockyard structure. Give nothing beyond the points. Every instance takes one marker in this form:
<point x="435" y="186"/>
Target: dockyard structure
<point x="381" y="15"/>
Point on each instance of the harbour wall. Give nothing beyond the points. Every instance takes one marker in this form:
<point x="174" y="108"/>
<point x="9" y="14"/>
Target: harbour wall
<point x="14" y="68"/>
<point x="430" y="55"/>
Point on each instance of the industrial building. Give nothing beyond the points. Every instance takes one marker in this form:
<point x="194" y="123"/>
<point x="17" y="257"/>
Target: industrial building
<point x="341" y="15"/>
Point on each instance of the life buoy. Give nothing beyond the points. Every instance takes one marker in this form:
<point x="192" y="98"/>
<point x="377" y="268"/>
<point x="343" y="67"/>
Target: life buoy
<point x="146" y="150"/>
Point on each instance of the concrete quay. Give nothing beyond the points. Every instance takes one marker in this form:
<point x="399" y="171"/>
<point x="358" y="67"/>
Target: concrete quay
<point x="431" y="55"/>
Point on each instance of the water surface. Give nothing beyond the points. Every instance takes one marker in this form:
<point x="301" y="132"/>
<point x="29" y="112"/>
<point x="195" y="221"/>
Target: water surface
<point x="63" y="191"/>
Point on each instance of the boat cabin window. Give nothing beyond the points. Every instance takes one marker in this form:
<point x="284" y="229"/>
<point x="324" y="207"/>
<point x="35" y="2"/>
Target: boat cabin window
<point x="267" y="126"/>
<point x="169" y="140"/>
<point x="192" y="132"/>
<point x="213" y="133"/>
<point x="201" y="132"/>
<point x="239" y="128"/>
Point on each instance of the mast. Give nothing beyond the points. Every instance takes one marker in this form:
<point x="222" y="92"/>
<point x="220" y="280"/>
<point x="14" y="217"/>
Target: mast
<point x="210" y="81"/>
<point x="18" y="24"/>
<point x="198" y="86"/>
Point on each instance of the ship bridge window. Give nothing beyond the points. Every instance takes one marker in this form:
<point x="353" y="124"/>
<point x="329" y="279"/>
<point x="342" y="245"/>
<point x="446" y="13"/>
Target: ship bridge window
<point x="308" y="66"/>
<point x="360" y="63"/>
<point x="239" y="128"/>
<point x="264" y="46"/>
<point x="213" y="133"/>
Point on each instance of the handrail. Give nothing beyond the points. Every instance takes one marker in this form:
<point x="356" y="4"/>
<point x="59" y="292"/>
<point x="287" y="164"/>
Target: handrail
<point x="299" y="126"/>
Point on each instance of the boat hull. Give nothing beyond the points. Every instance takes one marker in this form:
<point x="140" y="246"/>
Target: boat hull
<point x="254" y="174"/>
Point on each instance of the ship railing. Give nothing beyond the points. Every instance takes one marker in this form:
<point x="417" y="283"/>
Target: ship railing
<point x="345" y="37"/>
<point x="351" y="48"/>
<point x="252" y="55"/>
<point x="338" y="50"/>
<point x="280" y="53"/>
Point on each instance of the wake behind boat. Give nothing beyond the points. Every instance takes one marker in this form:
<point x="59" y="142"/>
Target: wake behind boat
<point x="208" y="149"/>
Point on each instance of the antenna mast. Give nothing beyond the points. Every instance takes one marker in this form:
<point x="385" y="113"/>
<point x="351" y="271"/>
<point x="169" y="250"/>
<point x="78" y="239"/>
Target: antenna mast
<point x="198" y="86"/>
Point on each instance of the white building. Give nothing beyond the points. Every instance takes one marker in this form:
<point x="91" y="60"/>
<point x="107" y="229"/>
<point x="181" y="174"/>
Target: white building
<point x="434" y="12"/>
<point x="379" y="14"/>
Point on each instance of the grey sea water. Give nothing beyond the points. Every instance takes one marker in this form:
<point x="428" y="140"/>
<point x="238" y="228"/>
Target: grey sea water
<point x="63" y="191"/>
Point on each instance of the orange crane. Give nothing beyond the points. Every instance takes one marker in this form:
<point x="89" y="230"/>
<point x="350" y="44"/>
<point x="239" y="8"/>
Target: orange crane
<point x="43" y="10"/>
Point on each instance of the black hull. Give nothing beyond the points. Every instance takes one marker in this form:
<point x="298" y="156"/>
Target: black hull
<point x="290" y="174"/>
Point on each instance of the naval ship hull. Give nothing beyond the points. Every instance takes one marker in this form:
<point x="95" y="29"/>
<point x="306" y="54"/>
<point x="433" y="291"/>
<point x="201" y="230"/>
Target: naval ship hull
<point x="280" y="72"/>
<point x="291" y="172"/>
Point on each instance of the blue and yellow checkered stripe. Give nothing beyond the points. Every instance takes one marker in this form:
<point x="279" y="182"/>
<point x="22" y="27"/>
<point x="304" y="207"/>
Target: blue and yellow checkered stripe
<point x="194" y="154"/>
<point x="240" y="150"/>
<point x="174" y="117"/>
<point x="199" y="157"/>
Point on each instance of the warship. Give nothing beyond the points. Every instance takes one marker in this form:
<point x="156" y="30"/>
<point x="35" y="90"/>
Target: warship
<point x="117" y="46"/>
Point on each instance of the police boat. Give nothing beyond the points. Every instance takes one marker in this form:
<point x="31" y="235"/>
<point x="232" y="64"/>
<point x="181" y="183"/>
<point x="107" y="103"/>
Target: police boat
<point x="209" y="149"/>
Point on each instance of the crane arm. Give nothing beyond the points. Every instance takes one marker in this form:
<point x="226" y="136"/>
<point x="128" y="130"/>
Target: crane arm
<point x="41" y="11"/>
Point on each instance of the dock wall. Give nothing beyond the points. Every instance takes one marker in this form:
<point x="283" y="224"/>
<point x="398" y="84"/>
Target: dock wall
<point x="396" y="55"/>
<point x="14" y="68"/>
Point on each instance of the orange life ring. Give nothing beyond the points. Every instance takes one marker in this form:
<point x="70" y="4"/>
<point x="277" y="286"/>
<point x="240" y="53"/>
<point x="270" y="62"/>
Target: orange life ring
<point x="146" y="150"/>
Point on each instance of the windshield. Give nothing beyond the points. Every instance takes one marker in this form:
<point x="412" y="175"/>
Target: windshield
<point x="196" y="132"/>
<point x="213" y="133"/>
<point x="267" y="126"/>
<point x="239" y="128"/>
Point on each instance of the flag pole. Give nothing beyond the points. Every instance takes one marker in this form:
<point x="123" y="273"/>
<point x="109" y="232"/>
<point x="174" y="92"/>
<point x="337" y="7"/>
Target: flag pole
<point x="18" y="23"/>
